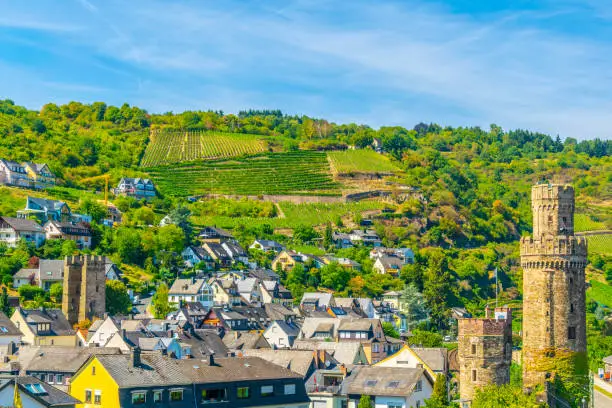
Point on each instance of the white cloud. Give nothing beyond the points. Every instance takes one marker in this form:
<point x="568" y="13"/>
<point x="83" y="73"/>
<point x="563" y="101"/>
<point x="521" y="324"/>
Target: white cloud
<point x="391" y="62"/>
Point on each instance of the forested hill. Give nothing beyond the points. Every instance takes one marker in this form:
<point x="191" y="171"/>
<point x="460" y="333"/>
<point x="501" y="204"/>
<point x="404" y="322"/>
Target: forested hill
<point x="101" y="137"/>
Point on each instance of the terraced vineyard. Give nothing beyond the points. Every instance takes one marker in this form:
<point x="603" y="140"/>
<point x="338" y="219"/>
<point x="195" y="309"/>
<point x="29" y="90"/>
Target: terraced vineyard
<point x="600" y="244"/>
<point x="166" y="146"/>
<point x="301" y="172"/>
<point x="361" y="161"/>
<point x="584" y="222"/>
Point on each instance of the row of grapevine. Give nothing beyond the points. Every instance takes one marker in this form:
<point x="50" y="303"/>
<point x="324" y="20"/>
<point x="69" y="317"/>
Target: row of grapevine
<point x="600" y="244"/>
<point x="301" y="172"/>
<point x="166" y="147"/>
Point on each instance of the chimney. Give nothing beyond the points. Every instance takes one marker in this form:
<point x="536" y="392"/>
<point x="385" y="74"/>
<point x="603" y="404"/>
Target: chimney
<point x="343" y="369"/>
<point x="211" y="358"/>
<point x="135" y="354"/>
<point x="487" y="312"/>
<point x="123" y="333"/>
<point x="193" y="279"/>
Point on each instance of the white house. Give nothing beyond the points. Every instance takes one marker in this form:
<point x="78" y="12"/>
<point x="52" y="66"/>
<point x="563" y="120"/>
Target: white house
<point x="281" y="334"/>
<point x="191" y="290"/>
<point x="13" y="230"/>
<point x="193" y="255"/>
<point x="103" y="332"/>
<point x="34" y="393"/>
<point x="266" y="245"/>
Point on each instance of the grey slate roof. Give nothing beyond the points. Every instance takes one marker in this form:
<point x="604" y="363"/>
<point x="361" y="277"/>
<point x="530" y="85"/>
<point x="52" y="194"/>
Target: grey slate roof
<point x="50" y="205"/>
<point x="58" y="358"/>
<point x="186" y="287"/>
<point x="51" y="269"/>
<point x="384" y="381"/>
<point x="344" y="352"/>
<point x="59" y="324"/>
<point x="52" y="397"/>
<point x="298" y="361"/>
<point x="25" y="273"/>
<point x="435" y="357"/>
<point x="9" y="326"/>
<point x="158" y="370"/>
<point x="20" y="224"/>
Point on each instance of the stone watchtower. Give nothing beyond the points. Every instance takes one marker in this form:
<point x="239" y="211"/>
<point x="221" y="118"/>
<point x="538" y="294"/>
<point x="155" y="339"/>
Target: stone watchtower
<point x="84" y="294"/>
<point x="484" y="352"/>
<point x="553" y="261"/>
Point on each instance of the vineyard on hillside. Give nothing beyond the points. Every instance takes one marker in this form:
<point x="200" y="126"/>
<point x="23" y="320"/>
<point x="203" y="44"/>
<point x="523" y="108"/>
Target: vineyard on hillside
<point x="301" y="172"/>
<point x="170" y="146"/>
<point x="361" y="161"/>
<point x="600" y="244"/>
<point x="584" y="222"/>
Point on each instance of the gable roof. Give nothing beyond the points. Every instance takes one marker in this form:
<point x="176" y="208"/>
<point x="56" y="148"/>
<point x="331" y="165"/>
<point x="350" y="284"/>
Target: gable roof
<point x="289" y="329"/>
<point x="51" y="269"/>
<point x="59" y="358"/>
<point x="21" y="224"/>
<point x="49" y="205"/>
<point x="7" y="327"/>
<point x="235" y="340"/>
<point x="52" y="396"/>
<point x="323" y="299"/>
<point x="59" y="326"/>
<point x="186" y="287"/>
<point x="298" y="361"/>
<point x="434" y="357"/>
<point x="345" y="352"/>
<point x="383" y="381"/>
<point x="24" y="273"/>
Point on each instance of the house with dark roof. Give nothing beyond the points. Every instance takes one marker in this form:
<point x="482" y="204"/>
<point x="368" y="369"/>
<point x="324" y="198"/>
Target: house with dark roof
<point x="24" y="276"/>
<point x="215" y="235"/>
<point x="13" y="230"/>
<point x="138" y="188"/>
<point x="45" y="210"/>
<point x="218" y="254"/>
<point x="78" y="232"/>
<point x="156" y="380"/>
<point x="194" y="255"/>
<point x="236" y="252"/>
<point x="42" y="327"/>
<point x="33" y="393"/>
<point x="237" y="341"/>
<point x="28" y="175"/>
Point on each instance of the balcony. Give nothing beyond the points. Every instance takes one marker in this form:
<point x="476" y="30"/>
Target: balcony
<point x="322" y="389"/>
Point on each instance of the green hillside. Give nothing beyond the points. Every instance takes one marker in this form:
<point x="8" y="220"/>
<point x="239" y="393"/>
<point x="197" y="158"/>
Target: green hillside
<point x="300" y="172"/>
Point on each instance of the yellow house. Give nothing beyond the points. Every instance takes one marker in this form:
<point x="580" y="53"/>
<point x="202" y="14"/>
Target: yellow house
<point x="285" y="260"/>
<point x="40" y="174"/>
<point x="152" y="379"/>
<point x="44" y="327"/>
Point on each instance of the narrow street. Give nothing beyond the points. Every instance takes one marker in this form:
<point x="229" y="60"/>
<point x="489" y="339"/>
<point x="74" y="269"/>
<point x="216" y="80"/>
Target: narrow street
<point x="602" y="401"/>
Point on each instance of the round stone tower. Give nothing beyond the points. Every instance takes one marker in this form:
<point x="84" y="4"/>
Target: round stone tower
<point x="553" y="261"/>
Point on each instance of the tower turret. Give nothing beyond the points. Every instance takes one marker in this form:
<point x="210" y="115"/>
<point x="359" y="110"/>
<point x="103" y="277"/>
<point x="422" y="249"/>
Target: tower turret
<point x="553" y="261"/>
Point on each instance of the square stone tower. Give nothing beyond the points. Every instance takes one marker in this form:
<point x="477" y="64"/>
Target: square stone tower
<point x="553" y="262"/>
<point x="484" y="352"/>
<point x="84" y="295"/>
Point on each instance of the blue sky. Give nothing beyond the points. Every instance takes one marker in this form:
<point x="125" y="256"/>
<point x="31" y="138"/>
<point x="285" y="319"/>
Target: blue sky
<point x="543" y="65"/>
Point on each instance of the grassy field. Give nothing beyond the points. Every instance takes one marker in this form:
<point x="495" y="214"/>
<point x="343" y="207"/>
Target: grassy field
<point x="13" y="198"/>
<point x="166" y="147"/>
<point x="295" y="214"/>
<point x="600" y="292"/>
<point x="600" y="244"/>
<point x="584" y="222"/>
<point x="361" y="161"/>
<point x="301" y="172"/>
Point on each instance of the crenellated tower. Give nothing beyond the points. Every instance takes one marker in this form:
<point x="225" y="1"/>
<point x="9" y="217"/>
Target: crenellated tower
<point x="84" y="295"/>
<point x="553" y="262"/>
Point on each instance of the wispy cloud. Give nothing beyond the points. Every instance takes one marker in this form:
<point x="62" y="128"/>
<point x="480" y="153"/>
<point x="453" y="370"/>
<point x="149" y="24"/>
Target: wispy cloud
<point x="379" y="62"/>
